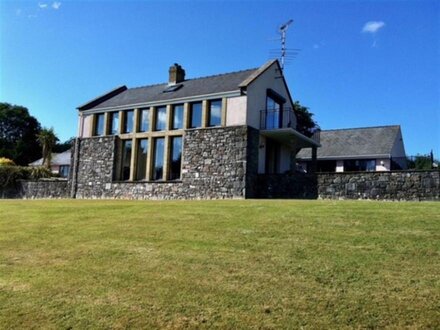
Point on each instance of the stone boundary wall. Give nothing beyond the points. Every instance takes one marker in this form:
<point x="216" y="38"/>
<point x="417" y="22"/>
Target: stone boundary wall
<point x="43" y="188"/>
<point x="395" y="185"/>
<point x="297" y="186"/>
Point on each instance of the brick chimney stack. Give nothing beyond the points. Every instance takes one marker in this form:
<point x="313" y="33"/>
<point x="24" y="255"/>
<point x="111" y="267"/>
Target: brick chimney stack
<point x="177" y="74"/>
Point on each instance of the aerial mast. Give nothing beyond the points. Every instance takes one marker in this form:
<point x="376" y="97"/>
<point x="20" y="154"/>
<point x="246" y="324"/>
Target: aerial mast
<point x="283" y="29"/>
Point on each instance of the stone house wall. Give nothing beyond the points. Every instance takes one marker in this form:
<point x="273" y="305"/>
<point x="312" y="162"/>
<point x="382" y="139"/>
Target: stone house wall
<point x="214" y="165"/>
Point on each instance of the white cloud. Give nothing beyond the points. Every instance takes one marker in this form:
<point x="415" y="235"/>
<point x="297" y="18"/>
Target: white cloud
<point x="42" y="5"/>
<point x="56" y="5"/>
<point x="373" y="26"/>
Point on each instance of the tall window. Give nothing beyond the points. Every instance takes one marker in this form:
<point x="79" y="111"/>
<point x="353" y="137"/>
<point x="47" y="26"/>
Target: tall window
<point x="144" y="120"/>
<point x="128" y="121"/>
<point x="99" y="124"/>
<point x="142" y="154"/>
<point x="177" y="117"/>
<point x="159" y="144"/>
<point x="126" y="159"/>
<point x="161" y="119"/>
<point x="215" y="113"/>
<point x="175" y="157"/>
<point x="114" y="122"/>
<point x="196" y="115"/>
<point x="273" y="114"/>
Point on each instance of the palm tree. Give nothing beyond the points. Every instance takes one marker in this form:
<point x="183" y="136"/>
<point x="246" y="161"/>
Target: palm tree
<point x="47" y="140"/>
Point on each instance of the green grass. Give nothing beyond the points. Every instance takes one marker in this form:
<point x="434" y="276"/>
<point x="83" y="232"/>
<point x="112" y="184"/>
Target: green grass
<point x="225" y="264"/>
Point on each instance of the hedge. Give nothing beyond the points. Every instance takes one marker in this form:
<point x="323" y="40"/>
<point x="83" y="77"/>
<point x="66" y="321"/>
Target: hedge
<point x="9" y="175"/>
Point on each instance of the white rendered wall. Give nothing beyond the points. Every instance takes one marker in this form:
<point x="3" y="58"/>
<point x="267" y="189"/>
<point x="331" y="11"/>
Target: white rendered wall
<point x="383" y="165"/>
<point x="256" y="94"/>
<point x="339" y="166"/>
<point x="236" y="111"/>
<point x="86" y="126"/>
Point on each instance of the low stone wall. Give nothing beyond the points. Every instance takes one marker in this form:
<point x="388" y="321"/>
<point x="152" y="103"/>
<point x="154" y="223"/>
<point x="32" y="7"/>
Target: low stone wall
<point x="44" y="188"/>
<point x="397" y="185"/>
<point x="298" y="185"/>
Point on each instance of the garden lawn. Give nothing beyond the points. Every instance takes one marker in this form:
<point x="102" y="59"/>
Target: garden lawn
<point x="226" y="264"/>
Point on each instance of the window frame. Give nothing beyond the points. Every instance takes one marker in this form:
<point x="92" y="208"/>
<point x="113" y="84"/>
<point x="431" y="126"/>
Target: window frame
<point x="191" y="114"/>
<point x="210" y="103"/>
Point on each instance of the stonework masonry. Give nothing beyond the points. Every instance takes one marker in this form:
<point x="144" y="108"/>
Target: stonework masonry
<point x="214" y="166"/>
<point x="397" y="185"/>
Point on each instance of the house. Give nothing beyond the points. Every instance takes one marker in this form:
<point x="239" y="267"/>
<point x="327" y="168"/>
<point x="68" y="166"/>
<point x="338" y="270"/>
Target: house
<point x="358" y="149"/>
<point x="196" y="138"/>
<point x="59" y="164"/>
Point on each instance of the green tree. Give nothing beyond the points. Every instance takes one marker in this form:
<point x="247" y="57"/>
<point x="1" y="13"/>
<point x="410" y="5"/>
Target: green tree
<point x="47" y="140"/>
<point x="305" y="124"/>
<point x="18" y="131"/>
<point x="64" y="146"/>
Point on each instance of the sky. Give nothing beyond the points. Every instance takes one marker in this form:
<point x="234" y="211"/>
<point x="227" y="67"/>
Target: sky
<point x="359" y="64"/>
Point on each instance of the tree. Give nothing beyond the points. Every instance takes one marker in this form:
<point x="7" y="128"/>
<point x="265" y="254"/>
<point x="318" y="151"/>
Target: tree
<point x="47" y="140"/>
<point x="304" y="120"/>
<point x="64" y="146"/>
<point x="18" y="131"/>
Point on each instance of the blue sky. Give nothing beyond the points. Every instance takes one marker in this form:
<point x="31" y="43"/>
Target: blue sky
<point x="361" y="63"/>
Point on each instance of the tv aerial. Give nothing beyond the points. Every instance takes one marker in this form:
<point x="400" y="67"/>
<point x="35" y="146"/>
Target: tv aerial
<point x="286" y="54"/>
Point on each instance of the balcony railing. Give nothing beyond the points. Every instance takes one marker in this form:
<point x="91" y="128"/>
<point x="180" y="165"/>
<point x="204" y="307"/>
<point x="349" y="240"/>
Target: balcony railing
<point x="274" y="119"/>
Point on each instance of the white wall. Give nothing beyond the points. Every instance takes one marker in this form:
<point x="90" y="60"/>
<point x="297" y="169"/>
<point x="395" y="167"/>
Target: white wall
<point x="236" y="111"/>
<point x="256" y="93"/>
<point x="383" y="164"/>
<point x="86" y="126"/>
<point x="339" y="166"/>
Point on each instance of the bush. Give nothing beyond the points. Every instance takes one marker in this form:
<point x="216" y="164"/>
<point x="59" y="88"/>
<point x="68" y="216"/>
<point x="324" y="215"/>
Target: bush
<point x="6" y="162"/>
<point x="9" y="175"/>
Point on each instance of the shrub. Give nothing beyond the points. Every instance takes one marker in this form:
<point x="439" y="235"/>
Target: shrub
<point x="6" y="162"/>
<point x="9" y="175"/>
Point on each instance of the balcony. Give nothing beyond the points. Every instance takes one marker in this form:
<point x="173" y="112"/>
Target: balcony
<point x="274" y="119"/>
<point x="279" y="125"/>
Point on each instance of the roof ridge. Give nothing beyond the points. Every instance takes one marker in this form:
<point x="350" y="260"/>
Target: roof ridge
<point x="203" y="77"/>
<point x="356" y="128"/>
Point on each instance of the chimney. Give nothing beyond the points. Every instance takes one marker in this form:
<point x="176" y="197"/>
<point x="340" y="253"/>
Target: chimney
<point x="177" y="74"/>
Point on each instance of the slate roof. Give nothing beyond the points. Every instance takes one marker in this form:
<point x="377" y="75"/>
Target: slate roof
<point x="221" y="83"/>
<point x="355" y="143"/>
<point x="62" y="158"/>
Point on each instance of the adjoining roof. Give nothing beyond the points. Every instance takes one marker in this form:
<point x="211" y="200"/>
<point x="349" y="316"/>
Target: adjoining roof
<point x="62" y="158"/>
<point x="222" y="83"/>
<point x="361" y="142"/>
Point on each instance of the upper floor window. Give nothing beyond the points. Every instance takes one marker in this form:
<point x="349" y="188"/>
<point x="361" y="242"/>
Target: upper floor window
<point x="128" y="121"/>
<point x="99" y="124"/>
<point x="196" y="115"/>
<point x="215" y="113"/>
<point x="114" y="123"/>
<point x="273" y="113"/>
<point x="161" y="119"/>
<point x="144" y="120"/>
<point x="177" y="117"/>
